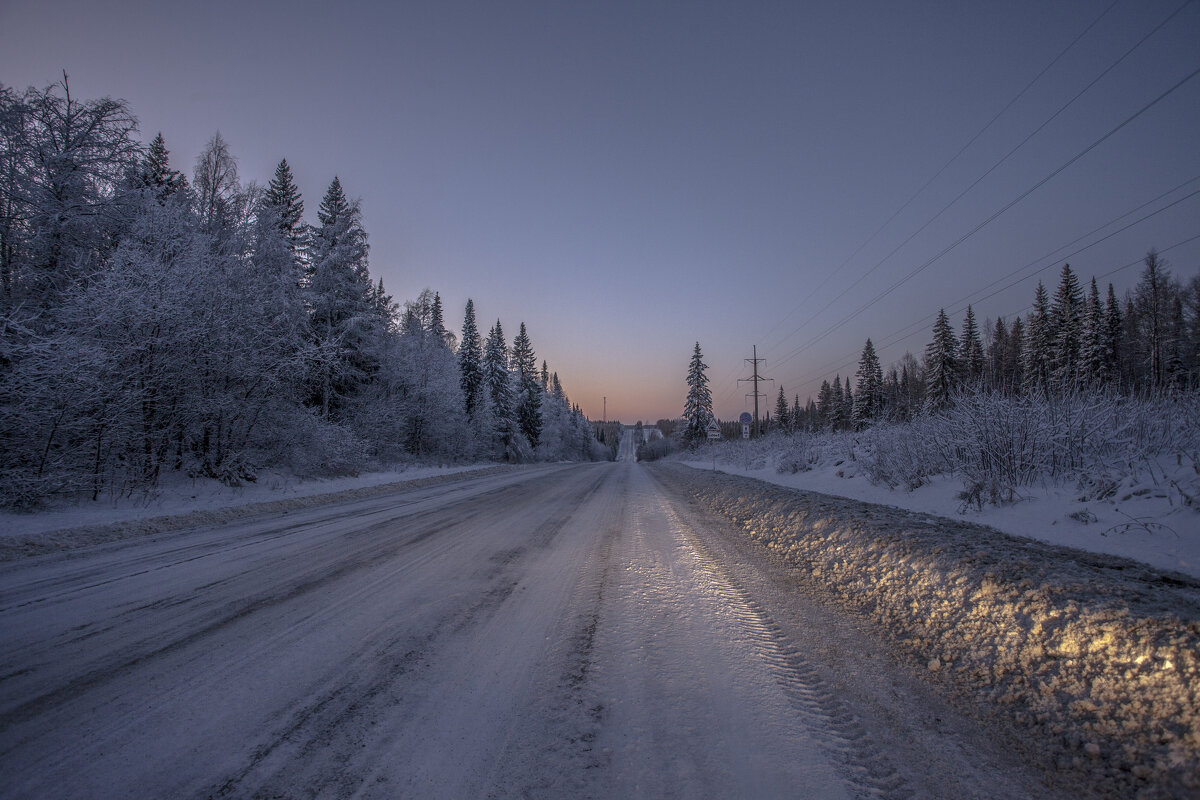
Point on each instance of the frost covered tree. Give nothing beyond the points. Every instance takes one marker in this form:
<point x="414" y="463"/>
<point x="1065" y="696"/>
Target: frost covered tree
<point x="1092" y="358"/>
<point x="868" y="397"/>
<point x="510" y="444"/>
<point x="1113" y="328"/>
<point x="283" y="197"/>
<point x="156" y="173"/>
<point x="970" y="351"/>
<point x="1038" y="350"/>
<point x="528" y="388"/>
<point x="1065" y="329"/>
<point x="1152" y="303"/>
<point x="470" y="364"/>
<point x="218" y="189"/>
<point x="783" y="417"/>
<point x="63" y="163"/>
<point x="697" y="407"/>
<point x="941" y="364"/>
<point x="343" y="317"/>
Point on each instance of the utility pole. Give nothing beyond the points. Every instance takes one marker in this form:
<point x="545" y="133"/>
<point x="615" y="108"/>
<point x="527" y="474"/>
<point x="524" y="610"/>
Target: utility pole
<point x="755" y="378"/>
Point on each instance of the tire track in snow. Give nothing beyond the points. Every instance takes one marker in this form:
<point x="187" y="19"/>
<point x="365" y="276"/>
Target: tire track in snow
<point x="839" y="732"/>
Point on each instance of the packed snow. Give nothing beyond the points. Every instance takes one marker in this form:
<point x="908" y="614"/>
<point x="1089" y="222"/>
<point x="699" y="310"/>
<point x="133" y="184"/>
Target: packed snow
<point x="1090" y="661"/>
<point x="1141" y="520"/>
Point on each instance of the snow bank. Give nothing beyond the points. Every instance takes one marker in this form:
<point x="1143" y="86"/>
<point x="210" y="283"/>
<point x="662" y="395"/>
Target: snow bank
<point x="1097" y="657"/>
<point x="204" y="502"/>
<point x="1139" y="518"/>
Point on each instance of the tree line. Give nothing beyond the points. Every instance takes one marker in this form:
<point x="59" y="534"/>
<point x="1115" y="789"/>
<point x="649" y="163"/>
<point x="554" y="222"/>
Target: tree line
<point x="1148" y="343"/>
<point x="152" y="323"/>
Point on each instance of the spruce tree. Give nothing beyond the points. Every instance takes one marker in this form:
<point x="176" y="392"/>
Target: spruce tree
<point x="997" y="357"/>
<point x="783" y="417"/>
<point x="697" y="407"/>
<point x="283" y="196"/>
<point x="437" y="325"/>
<point x="1113" y="328"/>
<point x="941" y="364"/>
<point x="1091" y="342"/>
<point x="825" y="404"/>
<point x="868" y="397"/>
<point x="343" y="312"/>
<point x="1016" y="351"/>
<point x="529" y="392"/>
<point x="497" y="378"/>
<point x="157" y="174"/>
<point x="971" y="351"/>
<point x="470" y="364"/>
<point x="1035" y="362"/>
<point x="1065" y="329"/>
<point x="838" y="415"/>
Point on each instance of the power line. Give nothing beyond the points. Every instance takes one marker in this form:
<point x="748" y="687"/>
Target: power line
<point x="996" y="165"/>
<point x="946" y="165"/>
<point x="994" y="216"/>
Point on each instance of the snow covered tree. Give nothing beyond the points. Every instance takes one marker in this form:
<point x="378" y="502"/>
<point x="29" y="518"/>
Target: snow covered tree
<point x="825" y="405"/>
<point x="697" y="407"/>
<point x="343" y="317"/>
<point x="868" y="397"/>
<point x="528" y="390"/>
<point x="1092" y="359"/>
<point x="1152" y="302"/>
<point x="783" y="417"/>
<point x="156" y="173"/>
<point x="970" y="351"/>
<point x="62" y="164"/>
<point x="1038" y="350"/>
<point x="941" y="364"/>
<point x="1113" y="328"/>
<point x="470" y="363"/>
<point x="1065" y="329"/>
<point x="283" y="196"/>
<point x="510" y="443"/>
<point x="217" y="187"/>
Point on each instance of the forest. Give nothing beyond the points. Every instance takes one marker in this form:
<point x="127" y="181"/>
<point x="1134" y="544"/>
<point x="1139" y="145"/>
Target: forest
<point x="155" y="323"/>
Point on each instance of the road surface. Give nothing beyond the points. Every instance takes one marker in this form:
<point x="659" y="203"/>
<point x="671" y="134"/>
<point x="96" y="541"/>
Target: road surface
<point x="558" y="631"/>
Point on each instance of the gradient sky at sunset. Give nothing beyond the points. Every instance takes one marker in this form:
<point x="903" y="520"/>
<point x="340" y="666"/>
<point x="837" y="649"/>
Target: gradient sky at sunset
<point x="630" y="177"/>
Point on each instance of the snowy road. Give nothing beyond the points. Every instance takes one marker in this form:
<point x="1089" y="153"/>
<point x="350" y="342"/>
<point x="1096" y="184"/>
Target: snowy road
<point x="565" y="631"/>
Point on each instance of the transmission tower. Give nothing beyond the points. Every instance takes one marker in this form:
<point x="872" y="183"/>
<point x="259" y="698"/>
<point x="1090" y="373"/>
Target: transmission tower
<point x="755" y="378"/>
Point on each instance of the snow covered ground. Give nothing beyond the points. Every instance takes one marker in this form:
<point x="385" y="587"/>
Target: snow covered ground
<point x="1140" y="522"/>
<point x="1089" y="664"/>
<point x="557" y="631"/>
<point x="178" y="496"/>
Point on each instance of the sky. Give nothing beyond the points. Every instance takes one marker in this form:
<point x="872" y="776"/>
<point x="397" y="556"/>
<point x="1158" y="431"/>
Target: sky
<point x="629" y="178"/>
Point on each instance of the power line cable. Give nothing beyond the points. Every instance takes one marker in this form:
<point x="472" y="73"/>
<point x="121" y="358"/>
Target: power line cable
<point x="992" y="218"/>
<point x="993" y="167"/>
<point x="946" y="165"/>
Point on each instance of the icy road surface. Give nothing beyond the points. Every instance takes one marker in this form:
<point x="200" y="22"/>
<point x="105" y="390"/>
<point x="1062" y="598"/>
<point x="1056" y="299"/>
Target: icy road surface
<point x="564" y="631"/>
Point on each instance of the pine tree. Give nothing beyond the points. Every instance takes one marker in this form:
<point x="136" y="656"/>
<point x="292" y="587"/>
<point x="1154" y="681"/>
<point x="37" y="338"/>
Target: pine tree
<point x="498" y="380"/>
<point x="437" y="325"/>
<point x="825" y="404"/>
<point x="941" y="364"/>
<point x="783" y="417"/>
<point x="283" y="197"/>
<point x="343" y="312"/>
<point x="971" y="351"/>
<point x="1036" y="355"/>
<point x="997" y="357"/>
<point x="1065" y="329"/>
<point x="470" y="364"/>
<point x="797" y="415"/>
<point x="697" y="407"/>
<point x="545" y="376"/>
<point x="1091" y="342"/>
<point x="847" y="406"/>
<point x="157" y="173"/>
<point x="868" y="397"/>
<point x="837" y="404"/>
<point x="1016" y="351"/>
<point x="1113" y="327"/>
<point x="529" y="392"/>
